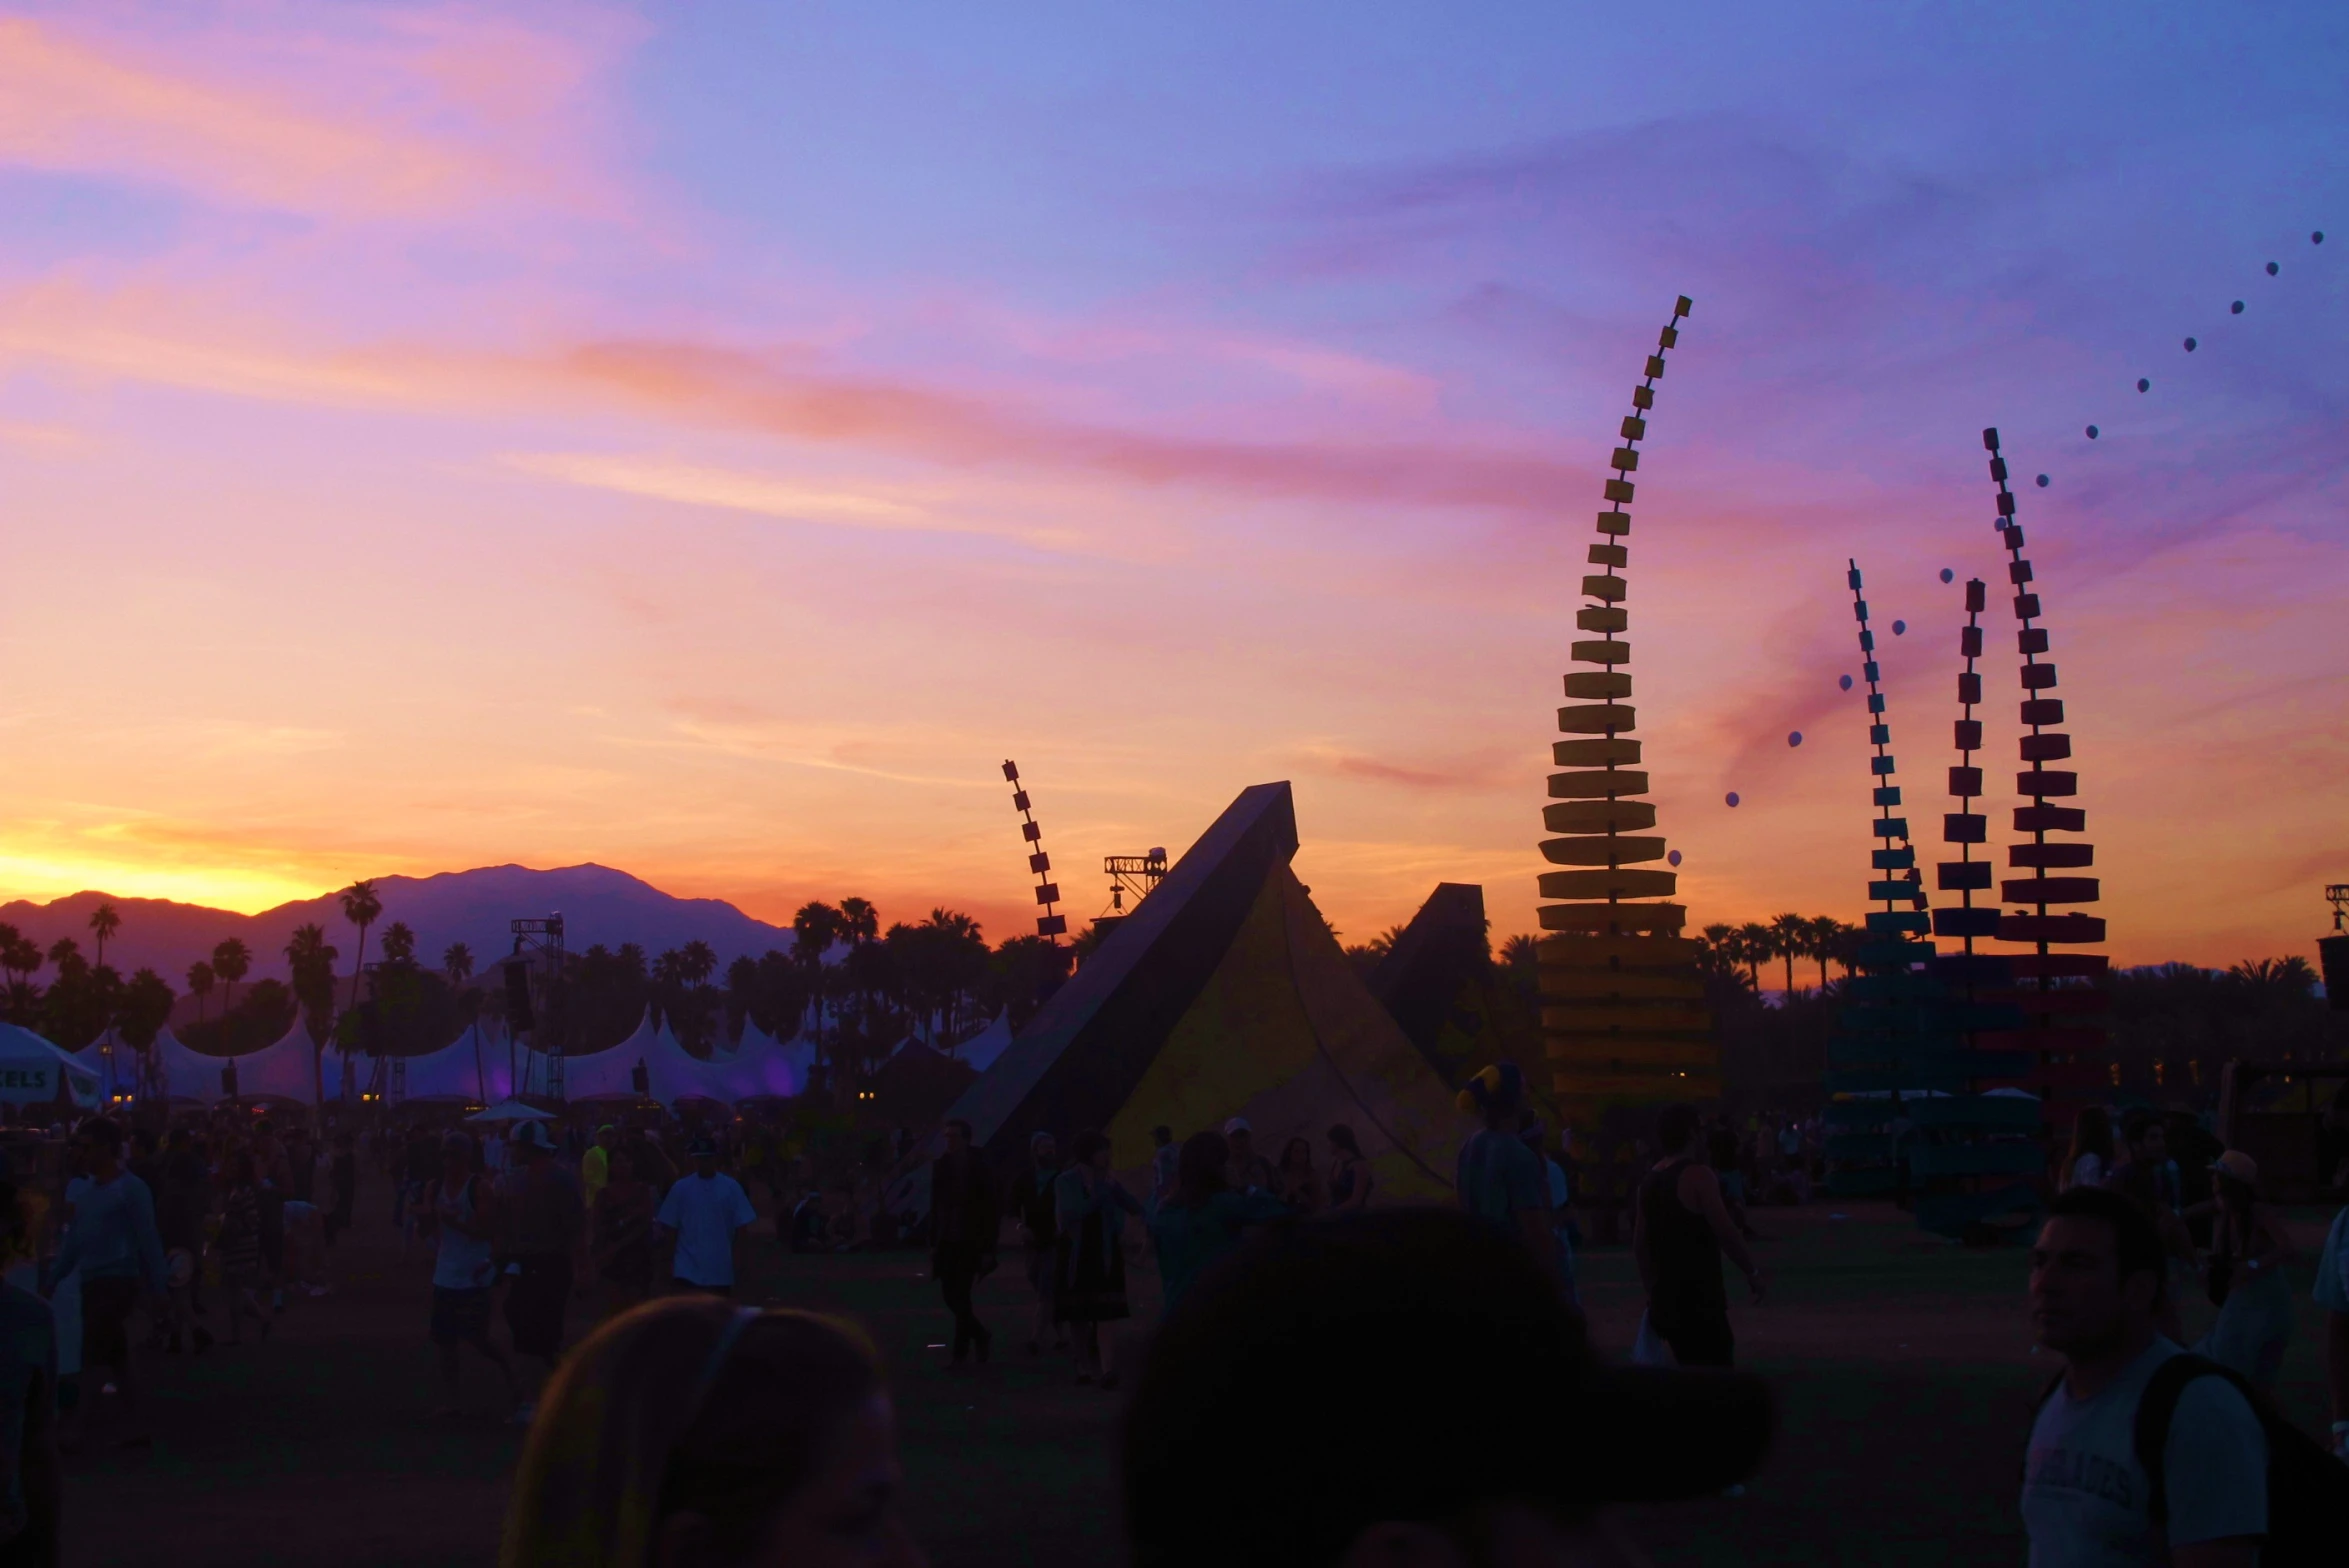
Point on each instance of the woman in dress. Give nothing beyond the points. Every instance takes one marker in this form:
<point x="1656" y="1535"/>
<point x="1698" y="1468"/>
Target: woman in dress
<point x="1089" y="1263"/>
<point x="2246" y="1275"/>
<point x="1296" y="1182"/>
<point x="1349" y="1172"/>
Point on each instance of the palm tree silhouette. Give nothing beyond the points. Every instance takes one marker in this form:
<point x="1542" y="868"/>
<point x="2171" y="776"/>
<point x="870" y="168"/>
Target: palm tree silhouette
<point x="1824" y="929"/>
<point x="696" y="962"/>
<point x="231" y="961"/>
<point x="104" y="922"/>
<point x="1755" y="945"/>
<point x="199" y="985"/>
<point x="457" y="963"/>
<point x="312" y="963"/>
<point x="1790" y="935"/>
<point x="360" y="907"/>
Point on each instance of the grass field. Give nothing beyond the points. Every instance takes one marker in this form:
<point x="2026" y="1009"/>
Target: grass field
<point x="1903" y="1363"/>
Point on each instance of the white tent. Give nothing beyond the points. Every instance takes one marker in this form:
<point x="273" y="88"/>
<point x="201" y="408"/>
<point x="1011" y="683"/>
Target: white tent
<point x="981" y="1049"/>
<point x="286" y="1069"/>
<point x="32" y="1071"/>
<point x="610" y="1074"/>
<point x="678" y="1074"/>
<point x="189" y="1075"/>
<point x="760" y="1067"/>
<point x="474" y="1068"/>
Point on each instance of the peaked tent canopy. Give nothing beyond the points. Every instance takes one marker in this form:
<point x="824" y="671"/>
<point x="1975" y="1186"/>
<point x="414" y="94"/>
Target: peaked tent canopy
<point x="471" y="1069"/>
<point x="610" y="1074"/>
<point x="191" y="1075"/>
<point x="34" y="1072"/>
<point x="285" y="1069"/>
<point x="982" y="1049"/>
<point x="1223" y="994"/>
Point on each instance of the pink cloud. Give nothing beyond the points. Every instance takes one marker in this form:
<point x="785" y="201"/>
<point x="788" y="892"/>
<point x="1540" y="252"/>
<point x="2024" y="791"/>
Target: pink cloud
<point x="368" y="115"/>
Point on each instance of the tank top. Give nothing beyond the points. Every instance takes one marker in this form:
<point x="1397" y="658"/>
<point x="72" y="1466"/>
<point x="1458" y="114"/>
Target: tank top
<point x="1682" y="1249"/>
<point x="464" y="1262"/>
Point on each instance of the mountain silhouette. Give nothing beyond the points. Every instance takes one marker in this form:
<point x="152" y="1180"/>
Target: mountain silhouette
<point x="597" y="903"/>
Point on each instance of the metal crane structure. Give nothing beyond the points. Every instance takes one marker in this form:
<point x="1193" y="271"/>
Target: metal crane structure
<point x="1050" y="925"/>
<point x="1135" y="874"/>
<point x="534" y="977"/>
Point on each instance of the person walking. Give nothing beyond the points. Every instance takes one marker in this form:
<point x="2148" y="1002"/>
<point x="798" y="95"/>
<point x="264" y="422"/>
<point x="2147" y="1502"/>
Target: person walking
<point x="623" y="1223"/>
<point x="1249" y="1170"/>
<point x="116" y="1247"/>
<point x="1203" y="1219"/>
<point x="705" y="1214"/>
<point x="2245" y="1275"/>
<point x="1089" y="1287"/>
<point x="2098" y="1271"/>
<point x="1536" y="1138"/>
<point x="595" y="1166"/>
<point x="242" y="1271"/>
<point x="182" y="1203"/>
<point x="1035" y="1209"/>
<point x="342" y="1185"/>
<point x="1499" y="1179"/>
<point x="1679" y="1232"/>
<point x="29" y="1479"/>
<point x="1349" y="1173"/>
<point x="459" y="1209"/>
<point x="965" y="1229"/>
<point x="545" y="1230"/>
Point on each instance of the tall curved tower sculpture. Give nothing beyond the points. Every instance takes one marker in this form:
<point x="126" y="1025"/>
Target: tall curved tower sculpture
<point x="2062" y="1023"/>
<point x="1623" y="1016"/>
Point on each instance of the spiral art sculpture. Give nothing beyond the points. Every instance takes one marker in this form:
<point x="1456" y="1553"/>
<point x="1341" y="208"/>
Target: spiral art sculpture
<point x="2063" y="1027"/>
<point x="1624" y="1020"/>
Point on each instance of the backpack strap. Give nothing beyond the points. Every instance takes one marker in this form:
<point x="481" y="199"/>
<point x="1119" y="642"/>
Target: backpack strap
<point x="2150" y="1432"/>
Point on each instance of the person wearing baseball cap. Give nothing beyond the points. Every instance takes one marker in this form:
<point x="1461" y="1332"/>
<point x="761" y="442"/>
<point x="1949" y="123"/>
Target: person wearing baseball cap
<point x="2248" y="1251"/>
<point x="1465" y="1418"/>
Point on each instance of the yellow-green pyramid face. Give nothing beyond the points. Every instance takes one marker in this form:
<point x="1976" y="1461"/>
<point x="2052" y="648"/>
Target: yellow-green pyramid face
<point x="1623" y="1014"/>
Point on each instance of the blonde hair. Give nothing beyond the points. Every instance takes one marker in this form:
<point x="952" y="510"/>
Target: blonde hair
<point x="684" y="1404"/>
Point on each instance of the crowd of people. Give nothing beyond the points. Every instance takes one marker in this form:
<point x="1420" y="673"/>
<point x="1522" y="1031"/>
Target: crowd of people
<point x="684" y="1428"/>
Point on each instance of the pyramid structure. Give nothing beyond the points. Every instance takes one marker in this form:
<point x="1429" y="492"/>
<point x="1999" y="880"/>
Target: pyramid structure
<point x="1223" y="994"/>
<point x="1441" y="986"/>
<point x="1623" y="1015"/>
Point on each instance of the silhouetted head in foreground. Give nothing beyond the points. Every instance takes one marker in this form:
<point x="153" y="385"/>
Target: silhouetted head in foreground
<point x="1464" y="1421"/>
<point x="689" y="1433"/>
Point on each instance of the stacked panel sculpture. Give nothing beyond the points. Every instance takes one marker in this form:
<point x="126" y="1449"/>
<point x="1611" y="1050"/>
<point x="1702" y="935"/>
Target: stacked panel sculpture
<point x="1623" y="1014"/>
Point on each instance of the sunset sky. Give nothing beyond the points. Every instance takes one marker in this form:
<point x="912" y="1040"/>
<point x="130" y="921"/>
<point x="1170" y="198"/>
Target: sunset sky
<point x="707" y="439"/>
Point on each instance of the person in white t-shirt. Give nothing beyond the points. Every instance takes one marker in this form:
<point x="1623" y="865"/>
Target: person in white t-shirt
<point x="706" y="1212"/>
<point x="2098" y="1271"/>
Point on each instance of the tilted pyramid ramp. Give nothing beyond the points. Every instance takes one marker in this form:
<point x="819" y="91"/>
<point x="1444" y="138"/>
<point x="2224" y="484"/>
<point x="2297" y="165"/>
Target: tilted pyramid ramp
<point x="1443" y="990"/>
<point x="1623" y="1014"/>
<point x="1224" y="994"/>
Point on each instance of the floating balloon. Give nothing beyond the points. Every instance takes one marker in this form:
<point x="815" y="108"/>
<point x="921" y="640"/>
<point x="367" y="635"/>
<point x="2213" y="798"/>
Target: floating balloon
<point x="2144" y="385"/>
<point x="1899" y="627"/>
<point x="2236" y="309"/>
<point x="2042" y="481"/>
<point x="2189" y="345"/>
<point x="2318" y="238"/>
<point x="1844" y="681"/>
<point x="2273" y="269"/>
<point x="1672" y="859"/>
<point x="1732" y="797"/>
<point x="2091" y="432"/>
<point x="1948" y="576"/>
<point x="1794" y="737"/>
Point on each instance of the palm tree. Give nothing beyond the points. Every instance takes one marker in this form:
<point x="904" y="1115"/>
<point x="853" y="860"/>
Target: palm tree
<point x="200" y="985"/>
<point x="813" y="931"/>
<point x="1821" y="946"/>
<point x="457" y="964"/>
<point x="312" y="963"/>
<point x="696" y="961"/>
<point x="231" y="960"/>
<point x="1790" y="937"/>
<point x="360" y="907"/>
<point x="398" y="945"/>
<point x="104" y="922"/>
<point x="1755" y="945"/>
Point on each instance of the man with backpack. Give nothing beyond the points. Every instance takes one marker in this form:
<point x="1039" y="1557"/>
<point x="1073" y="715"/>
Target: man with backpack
<point x="2142" y="1453"/>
